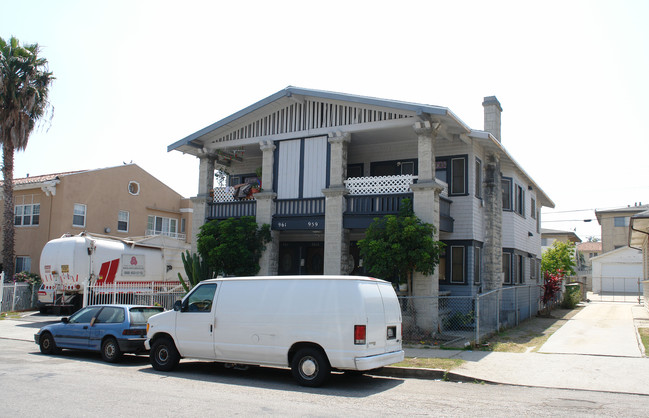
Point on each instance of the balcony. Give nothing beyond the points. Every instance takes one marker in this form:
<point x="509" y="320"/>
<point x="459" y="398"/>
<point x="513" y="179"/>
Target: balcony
<point x="367" y="198"/>
<point x="175" y="235"/>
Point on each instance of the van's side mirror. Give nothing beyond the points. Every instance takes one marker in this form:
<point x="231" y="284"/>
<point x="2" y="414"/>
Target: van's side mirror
<point x="178" y="305"/>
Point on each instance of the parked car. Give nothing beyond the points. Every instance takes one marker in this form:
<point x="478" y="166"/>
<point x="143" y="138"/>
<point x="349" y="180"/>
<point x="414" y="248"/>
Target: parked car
<point x="110" y="329"/>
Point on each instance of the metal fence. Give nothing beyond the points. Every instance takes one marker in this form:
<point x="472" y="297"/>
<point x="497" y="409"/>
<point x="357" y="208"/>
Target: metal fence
<point x="617" y="289"/>
<point x="458" y="321"/>
<point x="154" y="293"/>
<point x="17" y="296"/>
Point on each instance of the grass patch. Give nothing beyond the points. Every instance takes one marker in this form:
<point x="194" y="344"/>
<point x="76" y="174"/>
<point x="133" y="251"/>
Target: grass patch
<point x="430" y="363"/>
<point x="9" y="315"/>
<point x="530" y="335"/>
<point x="644" y="336"/>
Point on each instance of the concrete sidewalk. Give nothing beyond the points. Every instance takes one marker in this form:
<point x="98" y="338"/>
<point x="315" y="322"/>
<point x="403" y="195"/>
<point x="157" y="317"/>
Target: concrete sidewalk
<point x="598" y="349"/>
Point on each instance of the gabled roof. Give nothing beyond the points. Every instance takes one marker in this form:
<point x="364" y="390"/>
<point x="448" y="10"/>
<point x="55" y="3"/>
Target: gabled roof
<point x="34" y="180"/>
<point x="294" y="93"/>
<point x="570" y="235"/>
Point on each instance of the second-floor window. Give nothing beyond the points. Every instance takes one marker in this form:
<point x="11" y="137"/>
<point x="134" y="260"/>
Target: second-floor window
<point x="520" y="201"/>
<point x="79" y="215"/>
<point x="507" y="268"/>
<point x="122" y="221"/>
<point x="507" y="193"/>
<point x="478" y="178"/>
<point x="621" y="221"/>
<point x="158" y="225"/>
<point x="26" y="215"/>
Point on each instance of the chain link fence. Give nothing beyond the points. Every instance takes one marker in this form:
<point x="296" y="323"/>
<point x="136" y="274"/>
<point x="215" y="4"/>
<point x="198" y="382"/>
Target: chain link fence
<point x="458" y="321"/>
<point x="617" y="289"/>
<point x="17" y="296"/>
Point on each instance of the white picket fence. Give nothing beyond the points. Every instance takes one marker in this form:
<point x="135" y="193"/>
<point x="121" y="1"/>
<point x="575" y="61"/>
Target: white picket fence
<point x="147" y="293"/>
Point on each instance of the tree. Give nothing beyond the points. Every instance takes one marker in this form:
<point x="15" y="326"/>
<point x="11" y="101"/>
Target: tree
<point x="24" y="87"/>
<point x="397" y="246"/>
<point x="560" y="258"/>
<point x="233" y="246"/>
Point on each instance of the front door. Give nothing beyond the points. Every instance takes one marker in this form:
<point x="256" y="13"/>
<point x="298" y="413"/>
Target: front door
<point x="195" y="323"/>
<point x="301" y="258"/>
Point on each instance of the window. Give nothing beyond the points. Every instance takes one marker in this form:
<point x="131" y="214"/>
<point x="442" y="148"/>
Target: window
<point x="533" y="208"/>
<point x="520" y="201"/>
<point x="457" y="264"/>
<point x="519" y="269"/>
<point x="200" y="300"/>
<point x="507" y="268"/>
<point x="23" y="264"/>
<point x="354" y="170"/>
<point x="458" y="176"/>
<point x="440" y="171"/>
<point x="621" y="221"/>
<point x="477" y="264"/>
<point x="158" y="225"/>
<point x="507" y="193"/>
<point x="122" y="221"/>
<point x="478" y="178"/>
<point x="441" y="268"/>
<point x="392" y="168"/>
<point x="79" y="215"/>
<point x="183" y="223"/>
<point x="134" y="188"/>
<point x="27" y="215"/>
<point x="111" y="315"/>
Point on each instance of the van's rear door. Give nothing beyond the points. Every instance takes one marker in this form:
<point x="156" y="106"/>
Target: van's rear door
<point x="392" y="311"/>
<point x="383" y="317"/>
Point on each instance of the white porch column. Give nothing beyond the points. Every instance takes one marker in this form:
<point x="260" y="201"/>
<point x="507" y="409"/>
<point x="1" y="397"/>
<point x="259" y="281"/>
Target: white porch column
<point x="426" y="206"/>
<point x="200" y="202"/>
<point x="336" y="245"/>
<point x="266" y="209"/>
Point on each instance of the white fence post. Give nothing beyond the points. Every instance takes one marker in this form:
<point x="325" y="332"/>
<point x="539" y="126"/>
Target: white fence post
<point x="13" y="301"/>
<point x="2" y="289"/>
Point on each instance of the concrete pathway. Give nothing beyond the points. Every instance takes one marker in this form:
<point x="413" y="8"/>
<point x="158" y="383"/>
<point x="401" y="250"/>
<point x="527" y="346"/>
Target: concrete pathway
<point x="600" y="329"/>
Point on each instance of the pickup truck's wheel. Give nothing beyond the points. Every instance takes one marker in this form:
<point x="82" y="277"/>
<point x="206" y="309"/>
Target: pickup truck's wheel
<point x="310" y="367"/>
<point x="47" y="344"/>
<point x="110" y="351"/>
<point x="164" y="355"/>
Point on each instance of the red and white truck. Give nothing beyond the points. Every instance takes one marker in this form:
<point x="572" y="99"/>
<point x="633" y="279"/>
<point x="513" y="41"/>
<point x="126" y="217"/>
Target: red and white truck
<point x="70" y="265"/>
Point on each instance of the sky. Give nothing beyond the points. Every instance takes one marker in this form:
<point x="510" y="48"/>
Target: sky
<point x="133" y="77"/>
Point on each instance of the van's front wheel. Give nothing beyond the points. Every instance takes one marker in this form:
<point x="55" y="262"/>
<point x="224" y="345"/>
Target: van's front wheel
<point x="310" y="367"/>
<point x="164" y="356"/>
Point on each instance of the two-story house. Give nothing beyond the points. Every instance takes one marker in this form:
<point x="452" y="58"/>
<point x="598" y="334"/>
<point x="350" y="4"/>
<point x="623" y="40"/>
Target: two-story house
<point x="615" y="225"/>
<point x="123" y="201"/>
<point x="328" y="163"/>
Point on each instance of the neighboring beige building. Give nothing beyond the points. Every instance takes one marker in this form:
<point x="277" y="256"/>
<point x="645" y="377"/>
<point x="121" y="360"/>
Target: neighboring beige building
<point x="588" y="250"/>
<point x="548" y="236"/>
<point x="123" y="201"/>
<point x="615" y="225"/>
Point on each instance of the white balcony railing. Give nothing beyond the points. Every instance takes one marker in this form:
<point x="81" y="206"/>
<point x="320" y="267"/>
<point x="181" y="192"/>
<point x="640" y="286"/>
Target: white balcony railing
<point x="379" y="184"/>
<point x="176" y="235"/>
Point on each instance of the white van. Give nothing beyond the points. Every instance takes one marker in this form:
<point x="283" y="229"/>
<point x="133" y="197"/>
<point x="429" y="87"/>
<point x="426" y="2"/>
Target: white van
<point x="310" y="323"/>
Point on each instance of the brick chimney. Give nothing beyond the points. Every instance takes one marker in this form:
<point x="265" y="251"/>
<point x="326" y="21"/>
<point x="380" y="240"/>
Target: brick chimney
<point x="492" y="111"/>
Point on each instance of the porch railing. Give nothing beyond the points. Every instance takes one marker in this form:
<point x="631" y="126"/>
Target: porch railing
<point x="379" y="184"/>
<point x="300" y="207"/>
<point x="377" y="205"/>
<point x="225" y="210"/>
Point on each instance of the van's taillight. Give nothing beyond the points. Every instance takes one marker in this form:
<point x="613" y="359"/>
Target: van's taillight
<point x="359" y="334"/>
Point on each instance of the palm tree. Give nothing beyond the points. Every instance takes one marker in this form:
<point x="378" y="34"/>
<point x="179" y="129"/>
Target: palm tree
<point x="24" y="87"/>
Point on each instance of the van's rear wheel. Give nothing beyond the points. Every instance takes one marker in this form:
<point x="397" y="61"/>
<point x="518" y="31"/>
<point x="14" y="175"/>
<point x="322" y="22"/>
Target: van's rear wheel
<point x="164" y="356"/>
<point x="310" y="367"/>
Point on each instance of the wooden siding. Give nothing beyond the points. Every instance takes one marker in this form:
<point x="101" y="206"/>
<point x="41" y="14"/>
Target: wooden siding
<point x="288" y="177"/>
<point x="308" y="115"/>
<point x="315" y="166"/>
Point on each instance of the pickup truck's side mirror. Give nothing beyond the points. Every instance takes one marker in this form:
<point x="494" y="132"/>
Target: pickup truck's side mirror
<point x="178" y="305"/>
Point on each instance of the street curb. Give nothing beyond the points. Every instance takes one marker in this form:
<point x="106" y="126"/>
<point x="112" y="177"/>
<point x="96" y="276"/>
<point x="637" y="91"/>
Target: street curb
<point x="429" y="374"/>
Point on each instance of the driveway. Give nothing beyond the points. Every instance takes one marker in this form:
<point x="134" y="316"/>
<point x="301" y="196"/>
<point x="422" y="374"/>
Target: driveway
<point x="601" y="329"/>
